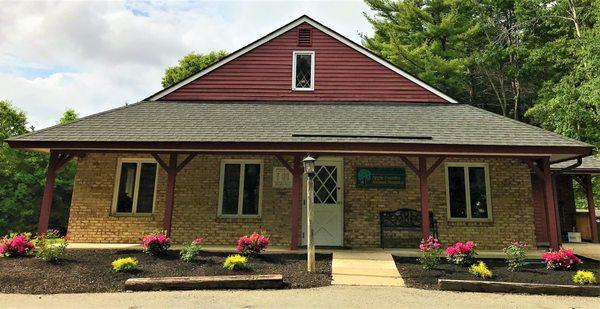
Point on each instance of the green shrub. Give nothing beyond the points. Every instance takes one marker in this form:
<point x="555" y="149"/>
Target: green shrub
<point x="516" y="252"/>
<point x="235" y="262"/>
<point x="480" y="270"/>
<point x="50" y="249"/>
<point x="192" y="250"/>
<point x="124" y="264"/>
<point x="584" y="277"/>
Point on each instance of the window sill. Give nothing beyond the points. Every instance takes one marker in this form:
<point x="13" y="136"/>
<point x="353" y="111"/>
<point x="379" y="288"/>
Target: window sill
<point x="141" y="215"/>
<point x="303" y="89"/>
<point x="469" y="222"/>
<point x="227" y="219"/>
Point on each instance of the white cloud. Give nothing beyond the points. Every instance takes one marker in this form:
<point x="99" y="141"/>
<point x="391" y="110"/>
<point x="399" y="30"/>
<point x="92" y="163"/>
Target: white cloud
<point x="93" y="56"/>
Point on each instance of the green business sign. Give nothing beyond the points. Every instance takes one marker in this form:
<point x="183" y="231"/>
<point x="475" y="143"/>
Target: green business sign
<point x="382" y="178"/>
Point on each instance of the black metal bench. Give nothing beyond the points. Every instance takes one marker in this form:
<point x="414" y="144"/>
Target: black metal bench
<point x="404" y="219"/>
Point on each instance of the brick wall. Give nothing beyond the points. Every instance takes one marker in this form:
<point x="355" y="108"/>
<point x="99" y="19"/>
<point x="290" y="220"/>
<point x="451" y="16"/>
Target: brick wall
<point x="196" y="204"/>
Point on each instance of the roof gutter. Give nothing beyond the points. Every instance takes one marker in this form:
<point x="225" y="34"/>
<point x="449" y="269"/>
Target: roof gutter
<point x="570" y="167"/>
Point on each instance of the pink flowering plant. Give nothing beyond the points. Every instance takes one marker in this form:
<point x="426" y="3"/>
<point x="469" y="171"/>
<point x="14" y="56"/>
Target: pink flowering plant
<point x="191" y="251"/>
<point x="252" y="245"/>
<point x="516" y="253"/>
<point x="156" y="243"/>
<point x="431" y="252"/>
<point x="16" y="245"/>
<point x="461" y="253"/>
<point x="562" y="259"/>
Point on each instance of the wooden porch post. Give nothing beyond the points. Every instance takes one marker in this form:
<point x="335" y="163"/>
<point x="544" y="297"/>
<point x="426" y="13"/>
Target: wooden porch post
<point x="296" y="202"/>
<point x="56" y="162"/>
<point x="170" y="194"/>
<point x="591" y="208"/>
<point x="423" y="173"/>
<point x="172" y="170"/>
<point x="550" y="206"/>
<point x="424" y="191"/>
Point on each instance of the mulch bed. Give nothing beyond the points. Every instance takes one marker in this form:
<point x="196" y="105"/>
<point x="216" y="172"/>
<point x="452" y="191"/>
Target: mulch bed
<point x="86" y="271"/>
<point x="535" y="272"/>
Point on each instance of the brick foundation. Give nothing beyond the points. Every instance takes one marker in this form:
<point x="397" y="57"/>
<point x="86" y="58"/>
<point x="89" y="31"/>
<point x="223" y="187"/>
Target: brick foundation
<point x="196" y="204"/>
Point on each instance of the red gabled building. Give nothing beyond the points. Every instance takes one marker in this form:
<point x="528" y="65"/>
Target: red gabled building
<point x="219" y="154"/>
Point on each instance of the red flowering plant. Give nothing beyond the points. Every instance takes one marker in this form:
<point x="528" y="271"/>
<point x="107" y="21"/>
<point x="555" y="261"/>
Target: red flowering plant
<point x="156" y="243"/>
<point x="16" y="245"/>
<point x="253" y="244"/>
<point x="562" y="259"/>
<point x="461" y="253"/>
<point x="430" y="252"/>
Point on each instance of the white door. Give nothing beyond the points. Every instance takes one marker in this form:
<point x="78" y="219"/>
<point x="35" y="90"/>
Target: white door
<point x="328" y="203"/>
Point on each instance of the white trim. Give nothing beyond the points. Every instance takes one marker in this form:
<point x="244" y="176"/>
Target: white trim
<point x="136" y="186"/>
<point x="242" y="163"/>
<point x="308" y="20"/>
<point x="312" y="70"/>
<point x="488" y="194"/>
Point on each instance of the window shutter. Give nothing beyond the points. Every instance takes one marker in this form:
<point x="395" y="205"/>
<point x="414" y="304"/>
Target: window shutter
<point x="304" y="37"/>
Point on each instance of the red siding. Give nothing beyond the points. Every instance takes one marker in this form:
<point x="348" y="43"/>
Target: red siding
<point x="341" y="74"/>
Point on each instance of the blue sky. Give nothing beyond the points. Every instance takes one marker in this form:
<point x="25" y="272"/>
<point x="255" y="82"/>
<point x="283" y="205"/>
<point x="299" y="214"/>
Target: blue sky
<point x="92" y="56"/>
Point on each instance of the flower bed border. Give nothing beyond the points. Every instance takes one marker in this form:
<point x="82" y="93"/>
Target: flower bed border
<point x="247" y="282"/>
<point x="515" y="287"/>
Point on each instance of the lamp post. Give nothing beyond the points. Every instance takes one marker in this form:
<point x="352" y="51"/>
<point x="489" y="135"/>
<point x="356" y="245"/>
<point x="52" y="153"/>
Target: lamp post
<point x="309" y="170"/>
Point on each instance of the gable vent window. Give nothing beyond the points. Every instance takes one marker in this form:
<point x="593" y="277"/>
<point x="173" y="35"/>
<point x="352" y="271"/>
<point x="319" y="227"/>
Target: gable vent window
<point x="304" y="37"/>
<point x="303" y="70"/>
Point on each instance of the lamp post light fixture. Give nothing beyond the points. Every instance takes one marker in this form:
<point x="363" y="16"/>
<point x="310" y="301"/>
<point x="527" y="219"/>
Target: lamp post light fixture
<point x="309" y="170"/>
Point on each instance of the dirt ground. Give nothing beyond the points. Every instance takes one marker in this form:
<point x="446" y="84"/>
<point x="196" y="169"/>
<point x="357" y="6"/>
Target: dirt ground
<point x="85" y="271"/>
<point x="534" y="272"/>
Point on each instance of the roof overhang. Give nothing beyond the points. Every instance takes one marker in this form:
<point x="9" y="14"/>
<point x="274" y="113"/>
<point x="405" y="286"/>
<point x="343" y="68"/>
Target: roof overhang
<point x="555" y="153"/>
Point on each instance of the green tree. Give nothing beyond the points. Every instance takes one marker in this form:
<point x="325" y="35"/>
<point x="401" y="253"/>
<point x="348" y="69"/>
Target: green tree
<point x="22" y="179"/>
<point x="190" y="64"/>
<point x="68" y="116"/>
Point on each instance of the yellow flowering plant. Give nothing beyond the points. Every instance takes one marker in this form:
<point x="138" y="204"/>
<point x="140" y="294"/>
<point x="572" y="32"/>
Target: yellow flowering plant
<point x="584" y="277"/>
<point x="235" y="262"/>
<point x="124" y="264"/>
<point x="480" y="270"/>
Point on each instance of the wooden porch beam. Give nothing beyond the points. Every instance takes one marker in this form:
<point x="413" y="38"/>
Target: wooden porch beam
<point x="410" y="165"/>
<point x="55" y="163"/>
<point x="160" y="161"/>
<point x="424" y="191"/>
<point x="591" y="208"/>
<point x="295" y="213"/>
<point x="170" y="194"/>
<point x="286" y="164"/>
<point x="552" y="216"/>
<point x="187" y="160"/>
<point x="435" y="165"/>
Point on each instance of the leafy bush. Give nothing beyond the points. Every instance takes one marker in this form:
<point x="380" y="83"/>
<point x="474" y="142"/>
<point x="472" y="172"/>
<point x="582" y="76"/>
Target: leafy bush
<point x="584" y="277"/>
<point x="50" y="249"/>
<point x="192" y="250"/>
<point x="252" y="245"/>
<point x="156" y="243"/>
<point x="480" y="270"/>
<point x="430" y="252"/>
<point x="235" y="262"/>
<point x="461" y="253"/>
<point x="16" y="245"/>
<point x="124" y="264"/>
<point x="560" y="260"/>
<point x="516" y="252"/>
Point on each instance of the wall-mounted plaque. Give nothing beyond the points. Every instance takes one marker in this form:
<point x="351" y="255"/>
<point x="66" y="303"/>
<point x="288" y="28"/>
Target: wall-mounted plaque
<point x="381" y="177"/>
<point x="282" y="178"/>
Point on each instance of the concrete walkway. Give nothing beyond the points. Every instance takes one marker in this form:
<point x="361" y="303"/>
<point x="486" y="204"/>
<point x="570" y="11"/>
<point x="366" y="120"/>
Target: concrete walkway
<point x="588" y="250"/>
<point x="325" y="297"/>
<point x="375" y="268"/>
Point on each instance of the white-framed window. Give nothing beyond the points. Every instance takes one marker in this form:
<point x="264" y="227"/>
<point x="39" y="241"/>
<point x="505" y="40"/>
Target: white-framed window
<point x="240" y="188"/>
<point x="135" y="187"/>
<point x="468" y="192"/>
<point x="303" y="70"/>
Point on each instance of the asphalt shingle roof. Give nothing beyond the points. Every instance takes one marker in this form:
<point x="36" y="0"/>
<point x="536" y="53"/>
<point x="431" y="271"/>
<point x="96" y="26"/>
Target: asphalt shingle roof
<point x="589" y="164"/>
<point x="427" y="123"/>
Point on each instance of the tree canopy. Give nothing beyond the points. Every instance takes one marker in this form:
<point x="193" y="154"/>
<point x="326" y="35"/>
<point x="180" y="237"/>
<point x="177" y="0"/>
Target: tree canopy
<point x="23" y="175"/>
<point x="190" y="64"/>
